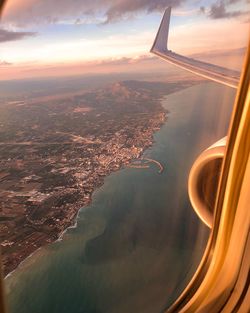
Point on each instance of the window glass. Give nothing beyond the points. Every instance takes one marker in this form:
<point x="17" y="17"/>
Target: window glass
<point x="97" y="139"/>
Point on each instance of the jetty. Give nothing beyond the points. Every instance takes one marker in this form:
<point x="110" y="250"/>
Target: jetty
<point x="137" y="166"/>
<point x="161" y="168"/>
<point x="146" y="165"/>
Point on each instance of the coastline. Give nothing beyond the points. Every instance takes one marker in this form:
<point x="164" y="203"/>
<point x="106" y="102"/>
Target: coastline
<point x="22" y="262"/>
<point x="60" y="238"/>
<point x="70" y="227"/>
<point x="74" y="221"/>
<point x="93" y="256"/>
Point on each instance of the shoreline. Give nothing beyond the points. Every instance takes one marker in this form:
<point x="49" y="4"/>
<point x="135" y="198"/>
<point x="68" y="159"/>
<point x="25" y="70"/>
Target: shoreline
<point x="22" y="262"/>
<point x="74" y="221"/>
<point x="70" y="227"/>
<point x="60" y="238"/>
<point x="58" y="209"/>
<point x="83" y="203"/>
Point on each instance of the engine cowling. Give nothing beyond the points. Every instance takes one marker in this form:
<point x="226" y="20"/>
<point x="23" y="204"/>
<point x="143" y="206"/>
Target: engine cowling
<point x="203" y="181"/>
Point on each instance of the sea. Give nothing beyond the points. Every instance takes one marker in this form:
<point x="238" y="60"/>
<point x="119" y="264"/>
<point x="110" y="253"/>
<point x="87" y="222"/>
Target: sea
<point x="136" y="246"/>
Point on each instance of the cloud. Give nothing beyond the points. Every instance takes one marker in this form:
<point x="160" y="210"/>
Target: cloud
<point x="4" y="63"/>
<point x="32" y="12"/>
<point x="220" y="9"/>
<point x="124" y="7"/>
<point x="124" y="60"/>
<point x="202" y="9"/>
<point x="26" y="12"/>
<point x="138" y="64"/>
<point x="6" y="35"/>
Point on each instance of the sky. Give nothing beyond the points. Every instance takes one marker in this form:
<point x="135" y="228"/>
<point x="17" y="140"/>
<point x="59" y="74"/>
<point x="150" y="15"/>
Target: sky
<point x="62" y="37"/>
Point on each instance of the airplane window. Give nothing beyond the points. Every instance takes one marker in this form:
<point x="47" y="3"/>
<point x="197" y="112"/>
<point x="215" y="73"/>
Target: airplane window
<point x="110" y="156"/>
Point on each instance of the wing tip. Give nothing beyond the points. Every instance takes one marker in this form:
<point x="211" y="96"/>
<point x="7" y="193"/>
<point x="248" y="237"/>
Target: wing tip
<point x="161" y="39"/>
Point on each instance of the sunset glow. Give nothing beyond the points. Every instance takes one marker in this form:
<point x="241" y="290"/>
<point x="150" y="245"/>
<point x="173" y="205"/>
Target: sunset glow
<point x="36" y="35"/>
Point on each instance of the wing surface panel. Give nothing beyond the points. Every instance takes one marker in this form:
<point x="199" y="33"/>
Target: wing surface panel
<point x="210" y="71"/>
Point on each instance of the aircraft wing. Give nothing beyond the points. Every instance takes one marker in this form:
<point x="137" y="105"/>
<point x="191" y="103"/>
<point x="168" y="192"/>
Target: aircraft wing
<point x="210" y="71"/>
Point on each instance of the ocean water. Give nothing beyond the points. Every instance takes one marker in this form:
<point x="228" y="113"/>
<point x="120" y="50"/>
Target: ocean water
<point x="138" y="243"/>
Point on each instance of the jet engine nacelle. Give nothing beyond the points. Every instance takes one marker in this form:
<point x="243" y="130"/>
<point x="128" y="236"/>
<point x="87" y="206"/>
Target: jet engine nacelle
<point x="203" y="181"/>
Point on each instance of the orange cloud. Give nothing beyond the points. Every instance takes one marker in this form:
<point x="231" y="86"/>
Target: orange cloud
<point x="115" y="65"/>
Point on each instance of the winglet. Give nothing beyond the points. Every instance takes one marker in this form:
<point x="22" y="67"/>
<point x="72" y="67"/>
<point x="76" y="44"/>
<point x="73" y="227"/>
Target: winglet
<point x="210" y="71"/>
<point x="161" y="39"/>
